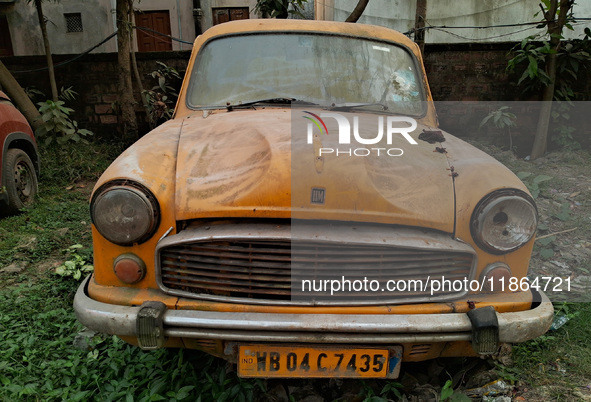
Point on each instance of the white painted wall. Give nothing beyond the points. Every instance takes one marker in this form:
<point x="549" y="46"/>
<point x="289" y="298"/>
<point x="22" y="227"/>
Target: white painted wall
<point x="25" y="33"/>
<point x="98" y="20"/>
<point x="400" y="15"/>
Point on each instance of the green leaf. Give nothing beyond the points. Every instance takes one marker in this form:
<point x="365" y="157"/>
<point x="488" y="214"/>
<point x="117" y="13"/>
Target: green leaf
<point x="532" y="68"/>
<point x="563" y="215"/>
<point x="547" y="240"/>
<point x="541" y="178"/>
<point x="546" y="253"/>
<point x="447" y="390"/>
<point x="523" y="175"/>
<point x="184" y="392"/>
<point x="542" y="226"/>
<point x="523" y="77"/>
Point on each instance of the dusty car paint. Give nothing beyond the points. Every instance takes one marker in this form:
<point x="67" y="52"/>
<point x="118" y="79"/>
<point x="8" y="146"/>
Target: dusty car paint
<point x="237" y="164"/>
<point x="223" y="161"/>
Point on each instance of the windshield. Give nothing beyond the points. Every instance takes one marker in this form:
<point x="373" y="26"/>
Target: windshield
<point x="326" y="70"/>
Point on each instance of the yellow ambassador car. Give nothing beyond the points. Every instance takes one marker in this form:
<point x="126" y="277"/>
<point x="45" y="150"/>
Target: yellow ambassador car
<point x="303" y="216"/>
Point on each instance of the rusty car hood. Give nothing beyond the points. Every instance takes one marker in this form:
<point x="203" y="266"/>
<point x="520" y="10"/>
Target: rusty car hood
<point x="245" y="164"/>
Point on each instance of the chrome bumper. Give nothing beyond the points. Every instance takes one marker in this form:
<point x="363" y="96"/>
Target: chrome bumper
<point x="311" y="328"/>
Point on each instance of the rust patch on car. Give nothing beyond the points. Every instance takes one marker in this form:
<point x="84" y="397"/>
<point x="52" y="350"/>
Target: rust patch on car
<point x="432" y="136"/>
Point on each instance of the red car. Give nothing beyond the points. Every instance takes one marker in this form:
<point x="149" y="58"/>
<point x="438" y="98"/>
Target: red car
<point x="19" y="159"/>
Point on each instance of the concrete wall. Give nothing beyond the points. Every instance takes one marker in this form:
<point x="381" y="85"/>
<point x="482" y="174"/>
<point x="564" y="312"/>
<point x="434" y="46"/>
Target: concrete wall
<point x="26" y="34"/>
<point x="98" y="20"/>
<point x="400" y="15"/>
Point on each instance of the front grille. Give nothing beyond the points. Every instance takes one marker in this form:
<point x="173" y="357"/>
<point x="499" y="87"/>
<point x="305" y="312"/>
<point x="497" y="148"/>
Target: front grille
<point x="273" y="270"/>
<point x="251" y="270"/>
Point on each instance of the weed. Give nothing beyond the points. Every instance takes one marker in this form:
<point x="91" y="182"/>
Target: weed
<point x="533" y="184"/>
<point x="547" y="249"/>
<point x="38" y="362"/>
<point x="161" y="99"/>
<point x="57" y="124"/>
<point x="544" y="358"/>
<point x="502" y="119"/>
<point x="76" y="266"/>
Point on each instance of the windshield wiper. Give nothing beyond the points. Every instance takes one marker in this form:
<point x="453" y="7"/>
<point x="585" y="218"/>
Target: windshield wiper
<point x="273" y="101"/>
<point x="349" y="106"/>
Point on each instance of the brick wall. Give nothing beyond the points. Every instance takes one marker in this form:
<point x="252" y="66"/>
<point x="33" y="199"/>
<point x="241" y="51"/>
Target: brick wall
<point x="469" y="72"/>
<point x="94" y="77"/>
<point x="463" y="79"/>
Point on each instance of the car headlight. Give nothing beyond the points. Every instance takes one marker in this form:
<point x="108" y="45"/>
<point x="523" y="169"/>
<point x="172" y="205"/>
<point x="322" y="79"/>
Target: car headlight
<point x="125" y="212"/>
<point x="504" y="220"/>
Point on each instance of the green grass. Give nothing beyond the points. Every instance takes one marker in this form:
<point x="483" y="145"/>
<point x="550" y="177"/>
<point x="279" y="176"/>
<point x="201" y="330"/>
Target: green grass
<point x="38" y="326"/>
<point x="546" y="359"/>
<point x="60" y="215"/>
<point x="38" y="361"/>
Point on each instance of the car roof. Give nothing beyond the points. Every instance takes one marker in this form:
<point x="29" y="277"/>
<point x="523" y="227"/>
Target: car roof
<point x="294" y="25"/>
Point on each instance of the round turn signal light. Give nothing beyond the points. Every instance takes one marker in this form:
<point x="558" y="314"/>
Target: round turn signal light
<point x="129" y="268"/>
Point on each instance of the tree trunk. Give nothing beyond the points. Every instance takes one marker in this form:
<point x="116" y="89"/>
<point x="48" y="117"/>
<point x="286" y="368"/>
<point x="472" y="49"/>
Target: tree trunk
<point x="359" y="8"/>
<point x="541" y="138"/>
<point x="126" y="100"/>
<point x="555" y="27"/>
<point x="138" y="78"/>
<point x="19" y="97"/>
<point x="420" y="17"/>
<point x="43" y="27"/>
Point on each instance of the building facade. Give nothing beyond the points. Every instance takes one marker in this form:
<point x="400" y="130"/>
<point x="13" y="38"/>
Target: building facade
<point x="74" y="26"/>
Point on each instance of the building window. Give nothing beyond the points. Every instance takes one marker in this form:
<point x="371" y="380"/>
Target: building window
<point x="73" y="22"/>
<point x="226" y="14"/>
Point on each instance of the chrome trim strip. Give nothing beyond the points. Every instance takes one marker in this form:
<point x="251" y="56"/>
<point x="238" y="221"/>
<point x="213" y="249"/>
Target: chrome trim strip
<point x="349" y="323"/>
<point x="306" y="337"/>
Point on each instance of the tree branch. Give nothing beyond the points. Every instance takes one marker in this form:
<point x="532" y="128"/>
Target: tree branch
<point x="359" y="8"/>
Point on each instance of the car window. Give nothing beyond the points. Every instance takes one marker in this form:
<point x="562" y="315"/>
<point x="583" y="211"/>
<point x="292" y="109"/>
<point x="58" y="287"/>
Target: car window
<point x="322" y="69"/>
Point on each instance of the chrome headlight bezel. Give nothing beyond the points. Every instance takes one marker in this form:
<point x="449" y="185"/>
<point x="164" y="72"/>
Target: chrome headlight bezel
<point x="125" y="212"/>
<point x="504" y="220"/>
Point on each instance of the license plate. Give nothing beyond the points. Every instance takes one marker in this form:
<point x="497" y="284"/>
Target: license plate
<point x="292" y="362"/>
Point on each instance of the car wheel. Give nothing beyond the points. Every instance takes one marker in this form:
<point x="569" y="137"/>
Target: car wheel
<point x="20" y="180"/>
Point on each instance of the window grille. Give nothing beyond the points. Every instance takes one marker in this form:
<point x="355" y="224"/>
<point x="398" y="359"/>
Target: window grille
<point x="73" y="22"/>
